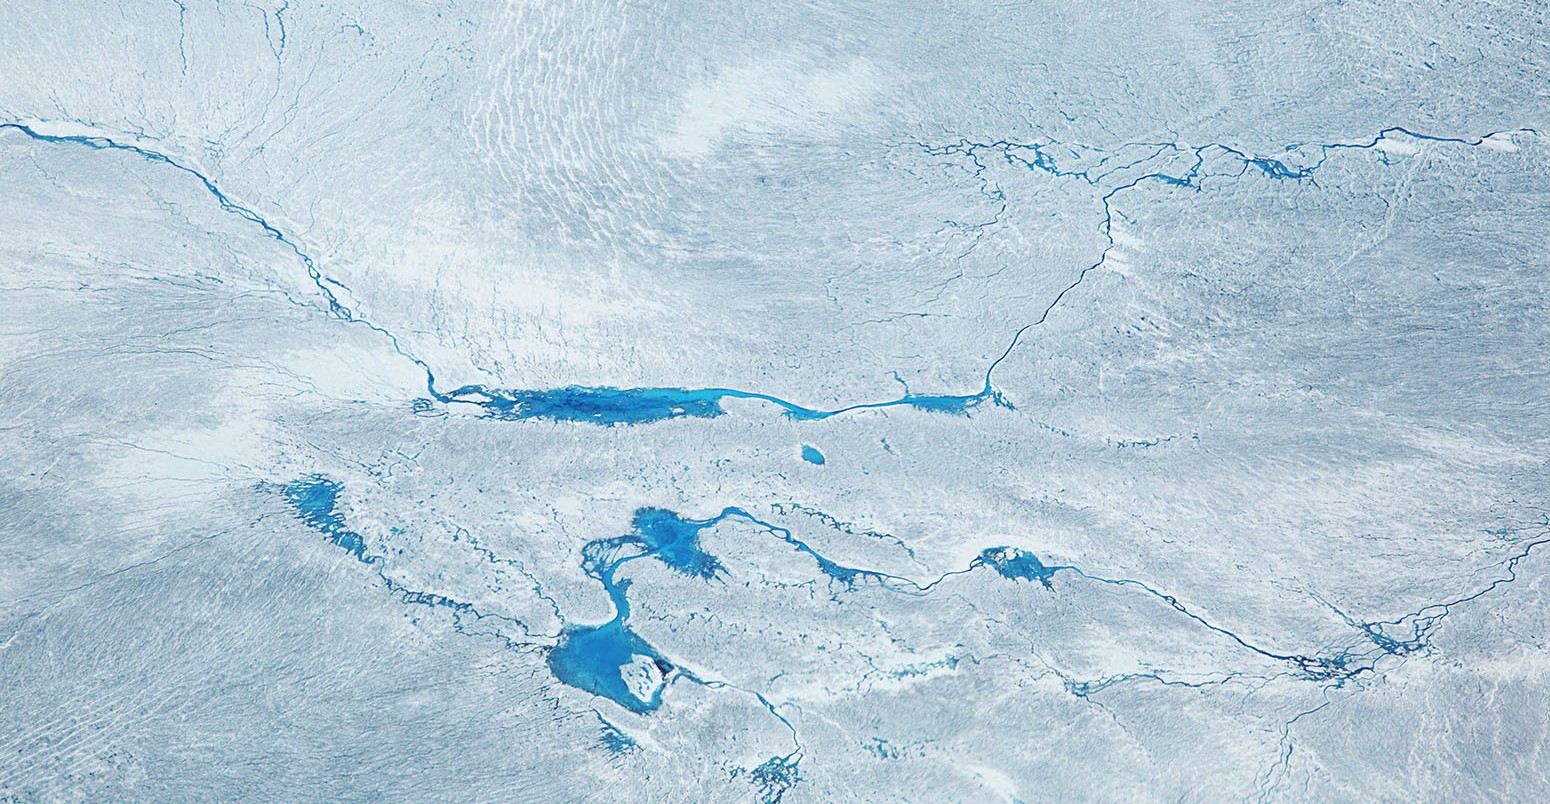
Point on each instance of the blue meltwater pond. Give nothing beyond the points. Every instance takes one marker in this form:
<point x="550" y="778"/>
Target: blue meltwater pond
<point x="629" y="406"/>
<point x="611" y="662"/>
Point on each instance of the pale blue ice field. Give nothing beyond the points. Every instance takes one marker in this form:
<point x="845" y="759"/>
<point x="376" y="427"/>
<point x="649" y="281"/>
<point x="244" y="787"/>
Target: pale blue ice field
<point x="567" y="400"/>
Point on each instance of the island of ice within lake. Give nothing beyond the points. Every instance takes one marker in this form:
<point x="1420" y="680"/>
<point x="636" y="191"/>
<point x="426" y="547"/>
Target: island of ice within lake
<point x="561" y="400"/>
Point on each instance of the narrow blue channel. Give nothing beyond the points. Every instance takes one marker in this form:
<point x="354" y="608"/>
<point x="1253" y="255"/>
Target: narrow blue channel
<point x="610" y="660"/>
<point x="604" y="659"/>
<point x="626" y="406"/>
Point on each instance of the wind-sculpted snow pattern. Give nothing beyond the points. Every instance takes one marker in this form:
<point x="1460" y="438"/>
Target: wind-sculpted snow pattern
<point x="565" y="400"/>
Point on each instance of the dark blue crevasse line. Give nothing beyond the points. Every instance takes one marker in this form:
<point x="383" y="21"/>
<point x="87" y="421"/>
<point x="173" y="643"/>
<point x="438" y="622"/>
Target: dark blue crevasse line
<point x="182" y="33"/>
<point x="1084" y="689"/>
<point x="279" y="18"/>
<point x="1377" y="139"/>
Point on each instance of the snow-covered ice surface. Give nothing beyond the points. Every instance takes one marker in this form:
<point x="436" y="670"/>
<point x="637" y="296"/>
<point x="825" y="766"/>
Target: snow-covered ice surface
<point x="823" y="401"/>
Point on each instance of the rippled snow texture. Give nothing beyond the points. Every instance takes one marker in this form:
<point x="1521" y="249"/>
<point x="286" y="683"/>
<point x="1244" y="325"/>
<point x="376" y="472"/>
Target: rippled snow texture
<point x="785" y="402"/>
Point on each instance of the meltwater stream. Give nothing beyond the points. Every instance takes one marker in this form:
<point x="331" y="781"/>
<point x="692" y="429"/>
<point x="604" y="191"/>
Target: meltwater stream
<point x="605" y="405"/>
<point x="611" y="661"/>
<point x="602" y="405"/>
<point x="611" y="406"/>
